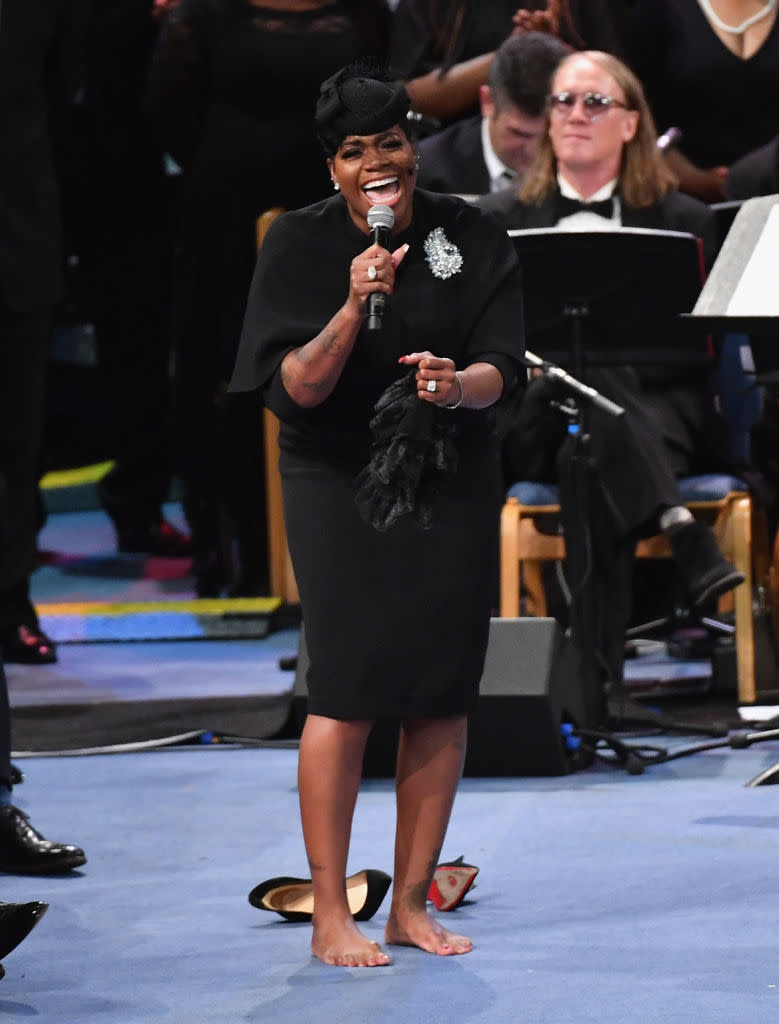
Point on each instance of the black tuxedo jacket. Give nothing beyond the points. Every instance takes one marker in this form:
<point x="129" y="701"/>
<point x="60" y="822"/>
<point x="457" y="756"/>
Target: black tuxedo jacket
<point x="675" y="212"/>
<point x="39" y="51"/>
<point x="453" y="160"/>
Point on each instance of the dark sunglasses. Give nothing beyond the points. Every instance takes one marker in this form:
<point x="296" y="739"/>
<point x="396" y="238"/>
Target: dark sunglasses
<point x="595" y="104"/>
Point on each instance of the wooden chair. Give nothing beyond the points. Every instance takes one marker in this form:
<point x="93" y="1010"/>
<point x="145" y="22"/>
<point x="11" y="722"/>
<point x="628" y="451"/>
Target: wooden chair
<point x="282" y="576"/>
<point x="528" y="539"/>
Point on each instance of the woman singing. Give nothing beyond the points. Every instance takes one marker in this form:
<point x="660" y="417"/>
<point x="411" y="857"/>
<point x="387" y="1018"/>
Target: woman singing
<point x="391" y="484"/>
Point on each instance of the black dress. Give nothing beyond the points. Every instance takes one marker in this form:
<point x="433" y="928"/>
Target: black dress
<point x="694" y="82"/>
<point x="396" y="621"/>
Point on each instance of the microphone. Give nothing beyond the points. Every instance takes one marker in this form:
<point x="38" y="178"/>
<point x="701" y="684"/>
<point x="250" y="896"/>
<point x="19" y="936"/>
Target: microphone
<point x="381" y="219"/>
<point x="669" y="139"/>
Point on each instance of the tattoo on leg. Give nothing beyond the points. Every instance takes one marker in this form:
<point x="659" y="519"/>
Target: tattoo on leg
<point x="415" y="895"/>
<point x="314" y="866"/>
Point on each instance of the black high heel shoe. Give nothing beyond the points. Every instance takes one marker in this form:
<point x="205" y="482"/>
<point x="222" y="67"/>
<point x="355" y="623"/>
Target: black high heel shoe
<point x="17" y="920"/>
<point x="293" y="898"/>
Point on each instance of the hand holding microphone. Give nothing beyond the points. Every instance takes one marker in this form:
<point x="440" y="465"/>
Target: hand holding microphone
<point x="381" y="220"/>
<point x="372" y="274"/>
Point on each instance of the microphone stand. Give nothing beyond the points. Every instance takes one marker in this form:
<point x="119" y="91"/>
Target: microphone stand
<point x="585" y="614"/>
<point x="589" y="394"/>
<point x="585" y="637"/>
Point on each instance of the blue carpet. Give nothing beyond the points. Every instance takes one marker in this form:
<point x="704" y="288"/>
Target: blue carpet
<point x="601" y="897"/>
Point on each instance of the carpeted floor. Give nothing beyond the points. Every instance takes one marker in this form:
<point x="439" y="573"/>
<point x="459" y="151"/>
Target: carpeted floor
<point x="602" y="896"/>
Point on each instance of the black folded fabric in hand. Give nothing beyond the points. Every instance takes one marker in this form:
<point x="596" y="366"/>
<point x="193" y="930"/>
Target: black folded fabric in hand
<point x="413" y="443"/>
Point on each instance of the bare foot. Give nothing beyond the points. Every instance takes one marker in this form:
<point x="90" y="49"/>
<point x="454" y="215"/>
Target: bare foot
<point x="418" y="928"/>
<point x="341" y="943"/>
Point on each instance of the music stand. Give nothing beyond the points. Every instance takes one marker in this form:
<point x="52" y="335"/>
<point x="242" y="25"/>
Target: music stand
<point x="740" y="294"/>
<point x="740" y="297"/>
<point x="607" y="298"/>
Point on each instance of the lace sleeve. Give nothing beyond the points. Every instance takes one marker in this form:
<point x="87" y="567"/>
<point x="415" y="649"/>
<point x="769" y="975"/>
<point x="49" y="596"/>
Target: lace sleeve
<point x="180" y="76"/>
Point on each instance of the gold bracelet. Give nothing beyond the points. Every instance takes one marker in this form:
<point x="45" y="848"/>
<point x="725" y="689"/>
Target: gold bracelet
<point x="459" y="401"/>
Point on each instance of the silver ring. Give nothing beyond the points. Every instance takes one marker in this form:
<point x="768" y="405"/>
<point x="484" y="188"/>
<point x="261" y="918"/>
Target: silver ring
<point x="432" y="385"/>
<point x="372" y="273"/>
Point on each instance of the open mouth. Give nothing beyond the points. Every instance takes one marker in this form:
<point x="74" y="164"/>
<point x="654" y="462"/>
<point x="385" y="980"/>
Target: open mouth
<point x="383" y="190"/>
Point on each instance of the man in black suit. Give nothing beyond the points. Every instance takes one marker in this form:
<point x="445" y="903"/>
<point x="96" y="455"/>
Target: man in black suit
<point x="598" y="168"/>
<point x="490" y="152"/>
<point x="38" y="66"/>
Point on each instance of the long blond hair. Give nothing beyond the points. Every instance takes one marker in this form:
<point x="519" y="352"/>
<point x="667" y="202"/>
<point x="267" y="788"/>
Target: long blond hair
<point x="644" y="177"/>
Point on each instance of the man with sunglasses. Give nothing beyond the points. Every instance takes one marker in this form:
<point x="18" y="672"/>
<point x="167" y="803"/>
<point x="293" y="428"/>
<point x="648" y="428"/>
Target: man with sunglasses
<point x="599" y="168"/>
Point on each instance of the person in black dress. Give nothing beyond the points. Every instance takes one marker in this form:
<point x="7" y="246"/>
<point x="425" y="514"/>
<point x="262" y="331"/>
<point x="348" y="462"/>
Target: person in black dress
<point x="393" y="533"/>
<point x="706" y="69"/>
<point x="119" y="213"/>
<point x="230" y="85"/>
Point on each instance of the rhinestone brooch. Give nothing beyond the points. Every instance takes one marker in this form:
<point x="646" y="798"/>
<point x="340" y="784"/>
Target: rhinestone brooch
<point x="443" y="256"/>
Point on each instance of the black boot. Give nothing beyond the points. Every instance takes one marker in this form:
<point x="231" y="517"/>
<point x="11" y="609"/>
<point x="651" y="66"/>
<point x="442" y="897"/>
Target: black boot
<point x="24" y="851"/>
<point x="705" y="571"/>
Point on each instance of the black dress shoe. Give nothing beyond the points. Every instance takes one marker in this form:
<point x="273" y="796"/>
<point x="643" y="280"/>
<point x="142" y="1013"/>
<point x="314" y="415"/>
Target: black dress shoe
<point x="707" y="574"/>
<point x="17" y="920"/>
<point x="27" y="645"/>
<point x="24" y="851"/>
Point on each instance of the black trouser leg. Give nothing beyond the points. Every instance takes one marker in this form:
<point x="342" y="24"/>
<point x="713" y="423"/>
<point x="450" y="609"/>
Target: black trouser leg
<point x="5" y="732"/>
<point x="24" y="348"/>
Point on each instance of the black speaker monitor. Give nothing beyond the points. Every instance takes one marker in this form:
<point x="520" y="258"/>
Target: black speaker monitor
<point x="529" y="690"/>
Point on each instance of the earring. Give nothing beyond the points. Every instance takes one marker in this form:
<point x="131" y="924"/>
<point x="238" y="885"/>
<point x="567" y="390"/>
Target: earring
<point x="336" y="186"/>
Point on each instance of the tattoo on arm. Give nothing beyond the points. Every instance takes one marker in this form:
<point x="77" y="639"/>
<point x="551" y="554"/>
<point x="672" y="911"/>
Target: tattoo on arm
<point x="331" y="343"/>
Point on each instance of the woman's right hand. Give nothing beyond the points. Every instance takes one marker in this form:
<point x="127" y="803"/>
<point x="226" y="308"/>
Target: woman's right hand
<point x="373" y="271"/>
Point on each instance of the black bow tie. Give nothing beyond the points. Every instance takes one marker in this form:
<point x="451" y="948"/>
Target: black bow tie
<point x="566" y="206"/>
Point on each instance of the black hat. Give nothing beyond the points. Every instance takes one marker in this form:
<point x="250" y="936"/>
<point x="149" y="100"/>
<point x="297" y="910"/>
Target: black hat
<point x="353" y="102"/>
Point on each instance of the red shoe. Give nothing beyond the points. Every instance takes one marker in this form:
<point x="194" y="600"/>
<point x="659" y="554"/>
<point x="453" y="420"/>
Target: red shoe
<point x="452" y="880"/>
<point x="27" y="645"/>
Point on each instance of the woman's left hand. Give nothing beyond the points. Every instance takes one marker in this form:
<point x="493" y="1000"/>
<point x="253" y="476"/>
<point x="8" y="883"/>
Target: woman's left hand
<point x="436" y="381"/>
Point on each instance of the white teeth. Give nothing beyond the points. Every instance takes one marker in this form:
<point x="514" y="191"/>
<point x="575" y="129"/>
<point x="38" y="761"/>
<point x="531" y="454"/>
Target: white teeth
<point x="380" y="183"/>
